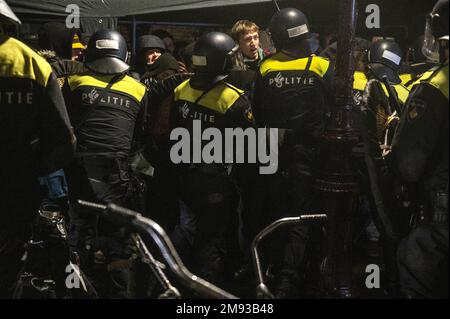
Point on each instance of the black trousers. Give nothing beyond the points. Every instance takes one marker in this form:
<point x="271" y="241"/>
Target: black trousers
<point x="106" y="250"/>
<point x="287" y="193"/>
<point x="423" y="262"/>
<point x="211" y="205"/>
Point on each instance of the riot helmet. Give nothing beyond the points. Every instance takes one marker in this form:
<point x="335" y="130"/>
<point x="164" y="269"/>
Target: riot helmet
<point x="6" y="14"/>
<point x="107" y="52"/>
<point x="384" y="59"/>
<point x="436" y="29"/>
<point x="288" y="28"/>
<point x="212" y="57"/>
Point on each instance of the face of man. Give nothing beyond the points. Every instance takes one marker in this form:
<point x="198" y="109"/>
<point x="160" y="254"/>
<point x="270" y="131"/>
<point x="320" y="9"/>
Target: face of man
<point x="249" y="45"/>
<point x="152" y="55"/>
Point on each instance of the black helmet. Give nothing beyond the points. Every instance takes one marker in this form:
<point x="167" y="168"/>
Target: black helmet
<point x="439" y="19"/>
<point x="212" y="56"/>
<point x="289" y="26"/>
<point x="106" y="53"/>
<point x="436" y="28"/>
<point x="6" y="14"/>
<point x="148" y="41"/>
<point x="384" y="59"/>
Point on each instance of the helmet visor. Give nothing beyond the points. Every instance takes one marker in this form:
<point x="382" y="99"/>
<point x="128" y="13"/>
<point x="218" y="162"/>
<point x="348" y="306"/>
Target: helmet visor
<point x="430" y="47"/>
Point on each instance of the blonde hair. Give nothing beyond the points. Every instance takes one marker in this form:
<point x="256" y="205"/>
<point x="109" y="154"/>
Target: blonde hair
<point x="242" y="27"/>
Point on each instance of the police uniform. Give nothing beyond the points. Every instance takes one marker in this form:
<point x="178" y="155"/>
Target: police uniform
<point x="420" y="155"/>
<point x="375" y="117"/>
<point x="415" y="73"/>
<point x="208" y="191"/>
<point x="360" y="83"/>
<point x="105" y="134"/>
<point x="36" y="138"/>
<point x="106" y="107"/>
<point x="293" y="93"/>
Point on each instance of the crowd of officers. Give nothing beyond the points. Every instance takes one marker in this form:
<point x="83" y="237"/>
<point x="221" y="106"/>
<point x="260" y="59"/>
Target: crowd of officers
<point x="108" y="128"/>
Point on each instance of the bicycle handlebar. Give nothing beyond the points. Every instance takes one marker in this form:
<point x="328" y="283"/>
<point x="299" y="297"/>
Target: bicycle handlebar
<point x="162" y="240"/>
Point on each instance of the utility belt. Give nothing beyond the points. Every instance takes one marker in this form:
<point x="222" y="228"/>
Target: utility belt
<point x="439" y="206"/>
<point x="105" y="171"/>
<point x="433" y="209"/>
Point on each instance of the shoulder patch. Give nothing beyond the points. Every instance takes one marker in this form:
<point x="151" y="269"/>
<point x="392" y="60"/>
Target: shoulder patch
<point x="248" y="114"/>
<point x="416" y="108"/>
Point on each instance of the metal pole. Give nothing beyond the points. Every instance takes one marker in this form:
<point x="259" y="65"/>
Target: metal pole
<point x="336" y="179"/>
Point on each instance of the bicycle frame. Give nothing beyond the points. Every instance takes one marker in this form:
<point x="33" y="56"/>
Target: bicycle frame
<point x="262" y="291"/>
<point x="162" y="240"/>
<point x="170" y="292"/>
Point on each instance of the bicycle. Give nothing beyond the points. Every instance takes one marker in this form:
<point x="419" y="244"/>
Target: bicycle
<point x="156" y="232"/>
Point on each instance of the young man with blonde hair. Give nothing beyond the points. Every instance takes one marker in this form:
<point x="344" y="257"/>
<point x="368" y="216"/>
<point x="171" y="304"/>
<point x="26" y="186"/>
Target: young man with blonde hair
<point x="246" y="34"/>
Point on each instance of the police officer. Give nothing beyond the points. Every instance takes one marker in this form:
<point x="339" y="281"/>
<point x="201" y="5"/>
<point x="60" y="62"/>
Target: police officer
<point x="293" y="93"/>
<point x="207" y="191"/>
<point x="380" y="87"/>
<point x="384" y="59"/>
<point x="106" y="107"/>
<point x="381" y="97"/>
<point x="420" y="156"/>
<point x="36" y="138"/>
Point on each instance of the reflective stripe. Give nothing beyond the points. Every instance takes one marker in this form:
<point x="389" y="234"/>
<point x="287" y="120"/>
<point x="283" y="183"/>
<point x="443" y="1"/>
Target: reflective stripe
<point x="402" y="92"/>
<point x="437" y="78"/>
<point x="406" y="77"/>
<point x="127" y="85"/>
<point x="282" y="62"/>
<point x="219" y="99"/>
<point x="19" y="61"/>
<point x="360" y="83"/>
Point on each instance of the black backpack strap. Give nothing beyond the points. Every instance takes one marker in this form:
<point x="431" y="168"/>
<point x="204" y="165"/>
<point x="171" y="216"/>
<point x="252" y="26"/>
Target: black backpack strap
<point x="209" y="89"/>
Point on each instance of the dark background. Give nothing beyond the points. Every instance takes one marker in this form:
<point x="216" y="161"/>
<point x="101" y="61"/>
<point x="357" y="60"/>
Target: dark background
<point x="401" y="19"/>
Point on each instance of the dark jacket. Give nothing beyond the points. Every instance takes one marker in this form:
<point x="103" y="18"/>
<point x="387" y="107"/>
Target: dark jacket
<point x="35" y="132"/>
